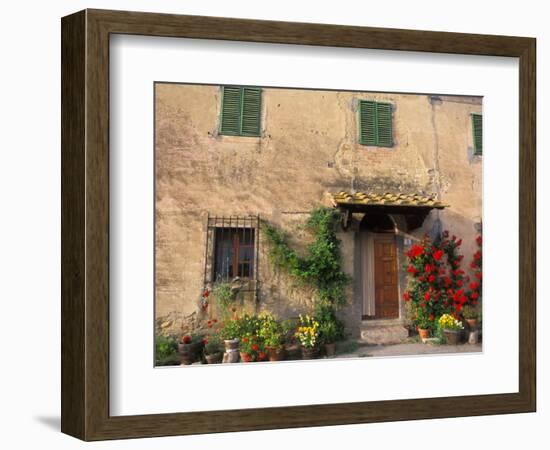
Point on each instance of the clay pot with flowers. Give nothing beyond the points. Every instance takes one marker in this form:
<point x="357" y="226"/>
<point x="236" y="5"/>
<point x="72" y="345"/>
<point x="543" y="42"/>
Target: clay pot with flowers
<point x="470" y="314"/>
<point x="272" y="334"/>
<point x="424" y="323"/>
<point x="252" y="349"/>
<point x="189" y="348"/>
<point x="230" y="332"/>
<point x="308" y="334"/>
<point x="213" y="349"/>
<point x="451" y="328"/>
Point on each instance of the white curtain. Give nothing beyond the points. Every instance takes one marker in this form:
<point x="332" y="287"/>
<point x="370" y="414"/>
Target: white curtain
<point x="367" y="272"/>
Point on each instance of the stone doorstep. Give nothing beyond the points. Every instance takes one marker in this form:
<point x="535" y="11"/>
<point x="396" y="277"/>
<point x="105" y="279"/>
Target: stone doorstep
<point x="378" y="332"/>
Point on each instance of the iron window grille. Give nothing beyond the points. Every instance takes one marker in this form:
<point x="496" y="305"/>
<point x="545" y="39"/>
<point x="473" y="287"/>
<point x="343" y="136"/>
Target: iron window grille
<point x="231" y="252"/>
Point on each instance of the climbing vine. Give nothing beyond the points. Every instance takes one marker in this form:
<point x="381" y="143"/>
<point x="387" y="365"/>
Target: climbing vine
<point x="321" y="264"/>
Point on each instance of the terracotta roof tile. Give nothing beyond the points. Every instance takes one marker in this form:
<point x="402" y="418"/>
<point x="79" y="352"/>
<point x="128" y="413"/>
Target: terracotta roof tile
<point x="387" y="199"/>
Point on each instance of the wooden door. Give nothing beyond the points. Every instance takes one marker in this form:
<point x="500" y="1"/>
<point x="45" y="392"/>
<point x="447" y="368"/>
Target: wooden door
<point x="385" y="278"/>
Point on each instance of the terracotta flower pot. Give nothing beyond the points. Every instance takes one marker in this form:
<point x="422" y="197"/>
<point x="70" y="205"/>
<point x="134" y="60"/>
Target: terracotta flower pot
<point x="214" y="358"/>
<point x="310" y="352"/>
<point x="188" y="353"/>
<point x="276" y="353"/>
<point x="424" y="333"/>
<point x="245" y="357"/>
<point x="472" y="323"/>
<point x="452" y="336"/>
<point x="330" y="349"/>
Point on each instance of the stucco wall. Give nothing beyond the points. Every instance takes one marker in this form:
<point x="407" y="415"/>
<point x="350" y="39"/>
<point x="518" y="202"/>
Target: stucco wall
<point x="308" y="147"/>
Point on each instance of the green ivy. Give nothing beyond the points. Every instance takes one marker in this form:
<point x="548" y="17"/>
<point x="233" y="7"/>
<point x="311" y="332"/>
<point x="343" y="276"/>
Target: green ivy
<point x="320" y="266"/>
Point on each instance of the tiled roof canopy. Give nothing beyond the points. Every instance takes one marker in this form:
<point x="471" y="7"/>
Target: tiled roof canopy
<point x="399" y="199"/>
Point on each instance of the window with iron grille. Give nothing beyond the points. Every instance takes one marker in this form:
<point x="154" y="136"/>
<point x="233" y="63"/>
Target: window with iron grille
<point x="477" y="133"/>
<point x="241" y="111"/>
<point x="234" y="253"/>
<point x="375" y="123"/>
<point x="232" y="250"/>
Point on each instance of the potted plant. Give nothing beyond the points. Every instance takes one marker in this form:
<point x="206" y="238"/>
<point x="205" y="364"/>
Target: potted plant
<point x="308" y="334"/>
<point x="230" y="333"/>
<point x="424" y="323"/>
<point x="189" y="348"/>
<point x="328" y="334"/>
<point x="292" y="348"/>
<point x="213" y="349"/>
<point x="272" y="334"/>
<point x="470" y="314"/>
<point x="252" y="349"/>
<point x="451" y="328"/>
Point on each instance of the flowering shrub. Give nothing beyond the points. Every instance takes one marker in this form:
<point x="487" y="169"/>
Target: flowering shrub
<point x="435" y="279"/>
<point x="474" y="293"/>
<point x="308" y="331"/>
<point x="448" y="322"/>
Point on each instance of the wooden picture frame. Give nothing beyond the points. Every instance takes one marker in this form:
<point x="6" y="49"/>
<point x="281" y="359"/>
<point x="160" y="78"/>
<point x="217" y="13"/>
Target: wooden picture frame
<point x="85" y="223"/>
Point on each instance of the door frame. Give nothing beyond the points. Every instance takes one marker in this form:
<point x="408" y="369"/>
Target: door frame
<point x="374" y="235"/>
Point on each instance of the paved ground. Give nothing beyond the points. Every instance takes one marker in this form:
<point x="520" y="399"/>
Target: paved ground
<point x="413" y="348"/>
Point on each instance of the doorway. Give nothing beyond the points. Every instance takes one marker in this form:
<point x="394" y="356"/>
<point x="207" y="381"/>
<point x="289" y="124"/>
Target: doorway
<point x="379" y="271"/>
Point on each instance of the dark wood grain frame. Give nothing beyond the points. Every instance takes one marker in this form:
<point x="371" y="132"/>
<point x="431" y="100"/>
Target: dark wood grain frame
<point x="85" y="224"/>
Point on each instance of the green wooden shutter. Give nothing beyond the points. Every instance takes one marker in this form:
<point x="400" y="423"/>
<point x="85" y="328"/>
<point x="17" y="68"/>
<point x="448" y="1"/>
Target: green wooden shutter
<point x="231" y="111"/>
<point x="477" y="129"/>
<point x="384" y="125"/>
<point x="367" y="122"/>
<point x="241" y="111"/>
<point x="251" y="111"/>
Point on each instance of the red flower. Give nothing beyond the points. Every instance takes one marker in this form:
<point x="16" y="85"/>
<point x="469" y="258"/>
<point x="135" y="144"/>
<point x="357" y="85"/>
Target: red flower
<point x="438" y="254"/>
<point x="477" y="255"/>
<point x="209" y="324"/>
<point x="245" y="339"/>
<point x="261" y="356"/>
<point x="479" y="240"/>
<point x="428" y="268"/>
<point x="473" y="285"/>
<point x="459" y="242"/>
<point x="423" y="305"/>
<point x="186" y="339"/>
<point x="474" y="295"/>
<point x="431" y="278"/>
<point x="421" y="279"/>
<point x="459" y="283"/>
<point x="412" y="270"/>
<point x="447" y="281"/>
<point x="255" y="347"/>
<point x="415" y="250"/>
<point x="446" y="233"/>
<point x="478" y="275"/>
<point x="427" y="296"/>
<point x="206" y="293"/>
<point x="406" y="296"/>
<point x="432" y="317"/>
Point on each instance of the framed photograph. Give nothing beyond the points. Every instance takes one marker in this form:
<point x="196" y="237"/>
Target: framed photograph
<point x="273" y="225"/>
